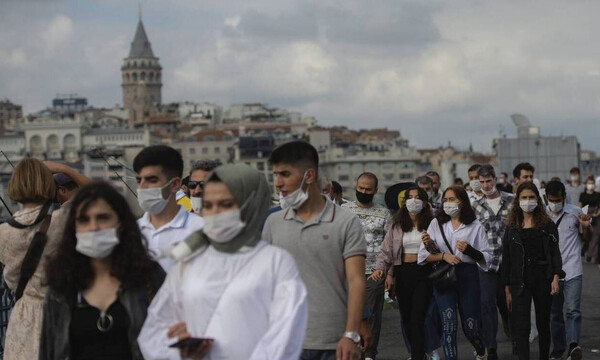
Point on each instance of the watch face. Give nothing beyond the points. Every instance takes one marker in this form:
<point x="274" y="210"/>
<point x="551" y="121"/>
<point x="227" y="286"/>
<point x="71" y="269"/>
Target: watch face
<point x="354" y="336"/>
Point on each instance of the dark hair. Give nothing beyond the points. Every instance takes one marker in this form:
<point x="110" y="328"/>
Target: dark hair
<point x="402" y="217"/>
<point x="369" y="175"/>
<point x="185" y="181"/>
<point x="474" y="167"/>
<point x="467" y="214"/>
<point x="457" y="180"/>
<point x="486" y="171"/>
<point x="423" y="180"/>
<point x="206" y="165"/>
<point x="164" y="156"/>
<point x="336" y="187"/>
<point x="515" y="217"/>
<point x="69" y="271"/>
<point x="503" y="173"/>
<point x="71" y="185"/>
<point x="556" y="188"/>
<point x="432" y="173"/>
<point x="295" y="153"/>
<point x="575" y="170"/>
<point x="522" y="166"/>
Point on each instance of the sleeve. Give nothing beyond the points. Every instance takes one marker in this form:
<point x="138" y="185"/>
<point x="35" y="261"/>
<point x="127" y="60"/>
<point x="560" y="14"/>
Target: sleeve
<point x="266" y="232"/>
<point x="354" y="243"/>
<point x="425" y="251"/>
<point x="555" y="255"/>
<point x="162" y="314"/>
<point x="506" y="260"/>
<point x="385" y="258"/>
<point x="481" y="243"/>
<point x="46" y="350"/>
<point x="288" y="316"/>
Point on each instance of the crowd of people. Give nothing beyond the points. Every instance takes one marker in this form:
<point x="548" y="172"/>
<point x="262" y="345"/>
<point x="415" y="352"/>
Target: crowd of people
<point x="216" y="269"/>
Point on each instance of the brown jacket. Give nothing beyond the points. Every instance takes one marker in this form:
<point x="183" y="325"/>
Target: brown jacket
<point x="390" y="253"/>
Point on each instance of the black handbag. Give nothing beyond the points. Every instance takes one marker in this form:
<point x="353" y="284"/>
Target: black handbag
<point x="443" y="276"/>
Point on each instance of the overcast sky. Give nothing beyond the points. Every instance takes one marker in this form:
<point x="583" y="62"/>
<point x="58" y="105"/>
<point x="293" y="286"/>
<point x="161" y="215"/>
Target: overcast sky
<point x="437" y="71"/>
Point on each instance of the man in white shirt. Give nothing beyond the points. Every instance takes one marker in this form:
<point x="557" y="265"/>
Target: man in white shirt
<point x="476" y="194"/>
<point x="436" y="199"/>
<point x="575" y="188"/>
<point x="164" y="224"/>
<point x="570" y="222"/>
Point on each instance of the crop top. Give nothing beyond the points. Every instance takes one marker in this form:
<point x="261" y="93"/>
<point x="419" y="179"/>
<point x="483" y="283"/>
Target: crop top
<point x="411" y="242"/>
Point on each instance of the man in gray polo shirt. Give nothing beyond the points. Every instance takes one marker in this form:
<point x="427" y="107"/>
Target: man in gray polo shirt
<point x="329" y="248"/>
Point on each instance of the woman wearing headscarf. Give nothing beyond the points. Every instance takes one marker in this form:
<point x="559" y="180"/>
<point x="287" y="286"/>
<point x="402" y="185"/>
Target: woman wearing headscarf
<point x="232" y="296"/>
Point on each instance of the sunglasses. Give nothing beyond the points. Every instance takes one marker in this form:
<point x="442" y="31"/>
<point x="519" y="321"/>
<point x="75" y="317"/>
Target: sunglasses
<point x="194" y="184"/>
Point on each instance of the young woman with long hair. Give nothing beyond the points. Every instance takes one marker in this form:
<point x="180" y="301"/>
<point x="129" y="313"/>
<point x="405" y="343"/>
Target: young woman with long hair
<point x="532" y="266"/>
<point x="468" y="248"/>
<point x="400" y="250"/>
<point x="101" y="281"/>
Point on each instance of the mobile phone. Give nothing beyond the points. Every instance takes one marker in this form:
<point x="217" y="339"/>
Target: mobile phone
<point x="189" y="342"/>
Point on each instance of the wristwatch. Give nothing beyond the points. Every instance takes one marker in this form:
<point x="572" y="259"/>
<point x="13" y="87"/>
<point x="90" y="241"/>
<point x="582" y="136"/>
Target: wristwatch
<point x="353" y="335"/>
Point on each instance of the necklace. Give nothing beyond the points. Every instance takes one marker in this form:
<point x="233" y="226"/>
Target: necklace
<point x="105" y="322"/>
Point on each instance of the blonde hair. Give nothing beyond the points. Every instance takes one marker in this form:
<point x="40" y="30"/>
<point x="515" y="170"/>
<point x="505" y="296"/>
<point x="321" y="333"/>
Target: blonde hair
<point x="31" y="181"/>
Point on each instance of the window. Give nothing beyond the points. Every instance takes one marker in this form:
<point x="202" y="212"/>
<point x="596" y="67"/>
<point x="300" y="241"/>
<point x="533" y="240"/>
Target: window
<point x="260" y="166"/>
<point x="387" y="165"/>
<point x="343" y="167"/>
<point x="217" y="150"/>
<point x="388" y="176"/>
<point x="343" y="178"/>
<point x="192" y="151"/>
<point x="406" y="176"/>
<point x="205" y="150"/>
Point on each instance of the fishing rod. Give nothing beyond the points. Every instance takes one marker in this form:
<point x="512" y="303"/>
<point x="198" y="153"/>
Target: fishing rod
<point x="1" y="199"/>
<point x="7" y="159"/>
<point x="100" y="152"/>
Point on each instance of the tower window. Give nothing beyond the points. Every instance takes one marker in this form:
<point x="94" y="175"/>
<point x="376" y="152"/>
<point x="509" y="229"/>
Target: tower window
<point x="143" y="76"/>
<point x="134" y="75"/>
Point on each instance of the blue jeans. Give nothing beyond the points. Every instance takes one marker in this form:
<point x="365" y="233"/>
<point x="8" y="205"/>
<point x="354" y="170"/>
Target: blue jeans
<point x="492" y="295"/>
<point x="469" y="307"/>
<point x="570" y="294"/>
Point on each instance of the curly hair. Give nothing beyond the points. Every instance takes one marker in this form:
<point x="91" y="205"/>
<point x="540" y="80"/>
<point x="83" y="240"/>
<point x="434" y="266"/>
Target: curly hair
<point x="467" y="214"/>
<point x="402" y="217"/>
<point x="69" y="271"/>
<point x="515" y="217"/>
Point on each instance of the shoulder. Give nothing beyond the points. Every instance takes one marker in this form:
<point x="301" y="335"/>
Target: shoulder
<point x="194" y="221"/>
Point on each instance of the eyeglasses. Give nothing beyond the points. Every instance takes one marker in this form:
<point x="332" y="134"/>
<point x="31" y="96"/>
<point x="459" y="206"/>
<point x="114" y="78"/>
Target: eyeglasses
<point x="194" y="184"/>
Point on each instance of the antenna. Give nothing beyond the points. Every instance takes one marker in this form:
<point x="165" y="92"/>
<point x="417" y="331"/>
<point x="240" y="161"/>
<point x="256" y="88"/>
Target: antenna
<point x="140" y="10"/>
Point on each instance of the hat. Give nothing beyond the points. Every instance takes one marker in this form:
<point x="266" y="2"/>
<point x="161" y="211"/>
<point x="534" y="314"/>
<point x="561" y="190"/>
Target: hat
<point x="61" y="179"/>
<point x="395" y="193"/>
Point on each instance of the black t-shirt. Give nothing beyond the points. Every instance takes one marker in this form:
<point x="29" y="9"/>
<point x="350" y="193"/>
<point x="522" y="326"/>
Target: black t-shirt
<point x="593" y="200"/>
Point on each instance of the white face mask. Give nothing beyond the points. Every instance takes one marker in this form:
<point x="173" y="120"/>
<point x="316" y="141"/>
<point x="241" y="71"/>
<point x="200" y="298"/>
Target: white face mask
<point x="575" y="178"/>
<point x="294" y="199"/>
<point x="196" y="204"/>
<point x="452" y="209"/>
<point x="528" y="205"/>
<point x="223" y="227"/>
<point x="414" y="206"/>
<point x="501" y="181"/>
<point x="555" y="207"/>
<point x="151" y="200"/>
<point x="490" y="192"/>
<point x="475" y="185"/>
<point x="590" y="187"/>
<point x="430" y="194"/>
<point x="97" y="244"/>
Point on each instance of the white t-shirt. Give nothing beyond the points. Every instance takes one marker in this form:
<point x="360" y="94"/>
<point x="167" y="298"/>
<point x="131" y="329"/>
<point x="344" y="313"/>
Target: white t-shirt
<point x="494" y="204"/>
<point x="411" y="242"/>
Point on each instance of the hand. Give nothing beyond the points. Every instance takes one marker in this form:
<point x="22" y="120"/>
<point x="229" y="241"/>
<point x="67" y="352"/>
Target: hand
<point x="389" y="282"/>
<point x="554" y="286"/>
<point x="425" y="237"/>
<point x="346" y="350"/>
<point x="55" y="167"/>
<point x="509" y="301"/>
<point x="451" y="259"/>
<point x="585" y="220"/>
<point x="461" y="246"/>
<point x="376" y="275"/>
<point x="180" y="332"/>
<point x="365" y="335"/>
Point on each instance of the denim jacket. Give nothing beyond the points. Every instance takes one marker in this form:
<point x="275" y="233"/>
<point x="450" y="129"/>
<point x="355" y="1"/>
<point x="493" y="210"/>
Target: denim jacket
<point x="513" y="257"/>
<point x="135" y="298"/>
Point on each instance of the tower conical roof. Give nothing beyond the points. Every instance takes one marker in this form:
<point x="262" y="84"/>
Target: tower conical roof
<point x="140" y="47"/>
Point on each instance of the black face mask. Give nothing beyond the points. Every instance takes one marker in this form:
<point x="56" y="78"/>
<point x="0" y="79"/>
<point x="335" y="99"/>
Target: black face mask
<point x="364" y="198"/>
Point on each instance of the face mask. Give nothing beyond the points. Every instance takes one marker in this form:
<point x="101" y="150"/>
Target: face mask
<point x="451" y="209"/>
<point x="151" y="200"/>
<point x="364" y="198"/>
<point x="97" y="244"/>
<point x="196" y="204"/>
<point x="501" y="181"/>
<point x="590" y="187"/>
<point x="528" y="205"/>
<point x="574" y="178"/>
<point x="475" y="185"/>
<point x="555" y="207"/>
<point x="414" y="206"/>
<point x="430" y="194"/>
<point x="490" y="192"/>
<point x="294" y="199"/>
<point x="223" y="227"/>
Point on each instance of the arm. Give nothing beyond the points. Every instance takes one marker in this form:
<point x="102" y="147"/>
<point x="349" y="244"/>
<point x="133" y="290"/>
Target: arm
<point x="555" y="257"/>
<point x="385" y="258"/>
<point x="355" y="275"/>
<point x="288" y="316"/>
<point x="506" y="261"/>
<point x="54" y="167"/>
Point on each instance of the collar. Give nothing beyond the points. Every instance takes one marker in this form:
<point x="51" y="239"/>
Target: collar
<point x="179" y="195"/>
<point x="326" y="215"/>
<point x="178" y="221"/>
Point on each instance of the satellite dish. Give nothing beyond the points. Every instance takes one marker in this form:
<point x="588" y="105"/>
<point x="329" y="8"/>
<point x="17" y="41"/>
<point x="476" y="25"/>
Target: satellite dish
<point x="520" y="120"/>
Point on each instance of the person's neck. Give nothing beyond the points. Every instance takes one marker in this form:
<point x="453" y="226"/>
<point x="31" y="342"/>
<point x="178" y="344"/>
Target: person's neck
<point x="414" y="219"/>
<point x="30" y="205"/>
<point x="495" y="195"/>
<point x="574" y="183"/>
<point x="359" y="204"/>
<point x="100" y="267"/>
<point x="527" y="220"/>
<point x="479" y="193"/>
<point x="455" y="222"/>
<point x="589" y="191"/>
<point x="313" y="205"/>
<point x="168" y="213"/>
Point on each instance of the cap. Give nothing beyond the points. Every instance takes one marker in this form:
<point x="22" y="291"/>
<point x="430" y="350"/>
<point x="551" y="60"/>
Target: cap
<point x="61" y="179"/>
<point x="394" y="193"/>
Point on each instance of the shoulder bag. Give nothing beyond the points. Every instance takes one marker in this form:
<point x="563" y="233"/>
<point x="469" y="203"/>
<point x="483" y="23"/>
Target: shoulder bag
<point x="443" y="276"/>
